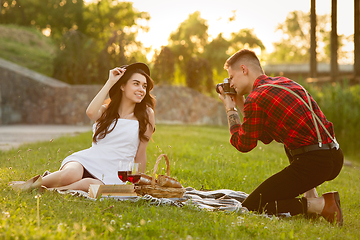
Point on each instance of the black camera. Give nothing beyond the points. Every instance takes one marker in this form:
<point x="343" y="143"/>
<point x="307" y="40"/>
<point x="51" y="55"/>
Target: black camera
<point x="226" y="86"/>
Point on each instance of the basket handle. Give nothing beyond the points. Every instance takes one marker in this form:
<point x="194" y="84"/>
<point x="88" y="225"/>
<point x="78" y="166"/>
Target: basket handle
<point x="156" y="167"/>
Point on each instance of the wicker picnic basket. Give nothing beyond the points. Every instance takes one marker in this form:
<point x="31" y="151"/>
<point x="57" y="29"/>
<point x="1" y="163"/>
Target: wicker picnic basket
<point x="163" y="186"/>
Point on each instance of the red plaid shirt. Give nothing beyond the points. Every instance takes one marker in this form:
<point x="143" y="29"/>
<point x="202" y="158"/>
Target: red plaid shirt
<point x="275" y="114"/>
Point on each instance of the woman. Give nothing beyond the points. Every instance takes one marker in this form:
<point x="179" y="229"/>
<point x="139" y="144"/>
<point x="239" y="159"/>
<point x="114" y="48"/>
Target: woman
<point x="122" y="130"/>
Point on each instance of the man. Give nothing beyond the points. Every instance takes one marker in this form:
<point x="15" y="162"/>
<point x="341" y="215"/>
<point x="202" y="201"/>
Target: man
<point x="278" y="109"/>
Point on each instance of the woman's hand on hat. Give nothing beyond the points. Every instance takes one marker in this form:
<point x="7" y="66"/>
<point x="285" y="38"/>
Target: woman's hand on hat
<point x="115" y="74"/>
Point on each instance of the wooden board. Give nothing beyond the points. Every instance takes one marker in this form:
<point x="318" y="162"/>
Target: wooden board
<point x="112" y="190"/>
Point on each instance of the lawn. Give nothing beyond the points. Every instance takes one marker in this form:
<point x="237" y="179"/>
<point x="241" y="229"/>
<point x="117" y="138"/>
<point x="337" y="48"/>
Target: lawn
<point x="200" y="156"/>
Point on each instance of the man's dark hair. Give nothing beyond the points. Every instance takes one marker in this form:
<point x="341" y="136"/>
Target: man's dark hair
<point x="245" y="55"/>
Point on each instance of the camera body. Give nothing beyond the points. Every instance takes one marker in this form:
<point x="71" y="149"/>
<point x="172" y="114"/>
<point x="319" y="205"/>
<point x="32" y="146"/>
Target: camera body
<point x="226" y="86"/>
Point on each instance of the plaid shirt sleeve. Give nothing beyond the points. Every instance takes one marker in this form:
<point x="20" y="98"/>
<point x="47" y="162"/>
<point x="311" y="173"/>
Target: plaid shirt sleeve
<point x="244" y="137"/>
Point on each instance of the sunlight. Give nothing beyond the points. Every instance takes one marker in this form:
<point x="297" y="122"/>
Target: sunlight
<point x="257" y="51"/>
<point x="46" y="31"/>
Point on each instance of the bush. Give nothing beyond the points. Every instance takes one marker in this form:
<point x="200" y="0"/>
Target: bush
<point x="199" y="75"/>
<point x="74" y="61"/>
<point x="341" y="105"/>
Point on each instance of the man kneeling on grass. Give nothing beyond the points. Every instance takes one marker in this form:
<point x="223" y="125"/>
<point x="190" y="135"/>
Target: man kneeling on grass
<point x="282" y="110"/>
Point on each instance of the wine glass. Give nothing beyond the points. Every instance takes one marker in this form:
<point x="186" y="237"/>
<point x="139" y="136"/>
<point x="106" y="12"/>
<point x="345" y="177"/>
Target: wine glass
<point x="135" y="174"/>
<point x="124" y="169"/>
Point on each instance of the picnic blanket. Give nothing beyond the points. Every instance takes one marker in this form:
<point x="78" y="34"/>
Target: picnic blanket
<point x="214" y="200"/>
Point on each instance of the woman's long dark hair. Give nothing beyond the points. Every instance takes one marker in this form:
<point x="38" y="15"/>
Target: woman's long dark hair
<point x="140" y="112"/>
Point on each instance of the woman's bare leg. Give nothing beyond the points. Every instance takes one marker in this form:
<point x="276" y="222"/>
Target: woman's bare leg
<point x="70" y="173"/>
<point x="82" y="184"/>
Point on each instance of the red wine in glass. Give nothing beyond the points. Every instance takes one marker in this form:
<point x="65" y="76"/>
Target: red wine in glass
<point x="134" y="178"/>
<point x="123" y="175"/>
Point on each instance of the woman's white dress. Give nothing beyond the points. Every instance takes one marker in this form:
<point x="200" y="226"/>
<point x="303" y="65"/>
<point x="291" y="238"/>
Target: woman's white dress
<point x="102" y="158"/>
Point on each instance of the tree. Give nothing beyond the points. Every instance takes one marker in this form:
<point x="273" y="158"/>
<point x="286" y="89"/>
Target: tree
<point x="220" y="49"/>
<point x="199" y="75"/>
<point x="112" y="28"/>
<point x="191" y="47"/>
<point x="294" y="47"/>
<point x="120" y="49"/>
<point x="75" y="60"/>
<point x="216" y="52"/>
<point x="187" y="44"/>
<point x="164" y="66"/>
<point x="189" y="39"/>
<point x="245" y="38"/>
<point x="57" y="15"/>
<point x="104" y="17"/>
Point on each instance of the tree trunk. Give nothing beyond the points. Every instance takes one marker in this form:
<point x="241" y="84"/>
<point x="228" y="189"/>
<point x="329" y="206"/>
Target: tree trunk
<point x="357" y="39"/>
<point x="313" y="62"/>
<point x="334" y="41"/>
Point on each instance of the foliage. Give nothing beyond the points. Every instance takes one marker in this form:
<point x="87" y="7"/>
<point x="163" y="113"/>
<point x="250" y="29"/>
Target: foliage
<point x="57" y="15"/>
<point x="106" y="16"/>
<point x="164" y="67"/>
<point x="295" y="44"/>
<point x="220" y="49"/>
<point x="245" y="38"/>
<point x="341" y="105"/>
<point x="190" y="44"/>
<point x="75" y="60"/>
<point x="108" y="41"/>
<point x="189" y="39"/>
<point x="199" y="75"/>
<point x="199" y="157"/>
<point x="120" y="49"/>
<point x="27" y="47"/>
<point x="216" y="52"/>
<point x="187" y="44"/>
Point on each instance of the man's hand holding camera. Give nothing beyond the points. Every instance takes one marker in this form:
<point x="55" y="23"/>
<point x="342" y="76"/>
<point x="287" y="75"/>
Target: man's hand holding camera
<point x="229" y="97"/>
<point x="230" y="100"/>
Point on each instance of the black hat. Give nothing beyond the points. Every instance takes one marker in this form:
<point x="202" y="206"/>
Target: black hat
<point x="138" y="65"/>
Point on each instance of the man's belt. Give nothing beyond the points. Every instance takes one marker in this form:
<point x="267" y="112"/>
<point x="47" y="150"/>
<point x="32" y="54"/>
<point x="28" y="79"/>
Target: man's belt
<point x="314" y="147"/>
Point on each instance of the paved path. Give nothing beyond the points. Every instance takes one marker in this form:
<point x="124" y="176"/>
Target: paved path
<point x="12" y="136"/>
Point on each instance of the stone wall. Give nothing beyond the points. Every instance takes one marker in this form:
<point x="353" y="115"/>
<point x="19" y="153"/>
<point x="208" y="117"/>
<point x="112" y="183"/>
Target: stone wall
<point x="27" y="97"/>
<point x="185" y="105"/>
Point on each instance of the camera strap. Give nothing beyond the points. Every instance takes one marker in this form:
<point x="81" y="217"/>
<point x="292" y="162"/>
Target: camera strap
<point x="315" y="119"/>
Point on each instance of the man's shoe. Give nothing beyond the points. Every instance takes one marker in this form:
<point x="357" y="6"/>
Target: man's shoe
<point x="332" y="209"/>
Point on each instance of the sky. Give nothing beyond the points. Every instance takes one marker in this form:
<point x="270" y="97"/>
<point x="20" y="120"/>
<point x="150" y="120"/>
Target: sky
<point x="262" y="16"/>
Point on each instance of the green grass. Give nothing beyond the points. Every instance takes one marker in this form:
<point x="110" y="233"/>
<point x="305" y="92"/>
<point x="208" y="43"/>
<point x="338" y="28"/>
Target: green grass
<point x="200" y="157"/>
<point x="27" y="47"/>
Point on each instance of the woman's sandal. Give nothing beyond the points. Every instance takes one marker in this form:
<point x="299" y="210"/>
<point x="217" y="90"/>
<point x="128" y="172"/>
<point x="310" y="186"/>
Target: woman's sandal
<point x="32" y="183"/>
